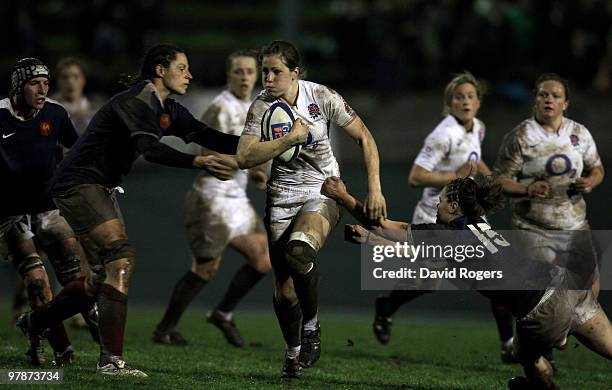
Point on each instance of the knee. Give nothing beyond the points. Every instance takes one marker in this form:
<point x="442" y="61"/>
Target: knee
<point x="117" y="250"/>
<point x="120" y="268"/>
<point x="206" y="268"/>
<point x="26" y="264"/>
<point x="263" y="266"/>
<point x="300" y="253"/>
<point x="68" y="269"/>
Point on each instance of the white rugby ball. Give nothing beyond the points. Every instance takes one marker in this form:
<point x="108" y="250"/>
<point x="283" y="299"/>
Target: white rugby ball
<point x="276" y="123"/>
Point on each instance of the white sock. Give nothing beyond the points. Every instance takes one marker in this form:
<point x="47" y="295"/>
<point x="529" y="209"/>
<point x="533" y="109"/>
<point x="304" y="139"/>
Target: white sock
<point x="292" y="352"/>
<point x="311" y="324"/>
<point x="508" y="343"/>
<point x="226" y="315"/>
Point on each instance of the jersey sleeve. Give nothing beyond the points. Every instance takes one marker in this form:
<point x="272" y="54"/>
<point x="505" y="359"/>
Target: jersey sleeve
<point x="68" y="135"/>
<point x="252" y="125"/>
<point x="189" y="129"/>
<point x="137" y="117"/>
<point x="216" y="117"/>
<point x="509" y="160"/>
<point x="337" y="109"/>
<point x="590" y="156"/>
<point x="482" y="131"/>
<point x="436" y="146"/>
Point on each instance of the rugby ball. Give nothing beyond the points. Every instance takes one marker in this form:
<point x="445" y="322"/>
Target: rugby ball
<point x="276" y="123"/>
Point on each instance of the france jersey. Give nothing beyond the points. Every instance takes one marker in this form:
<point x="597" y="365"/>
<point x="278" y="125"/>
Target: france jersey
<point x="28" y="156"/>
<point x="530" y="153"/>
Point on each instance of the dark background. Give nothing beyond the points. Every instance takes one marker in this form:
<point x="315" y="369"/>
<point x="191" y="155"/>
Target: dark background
<point x="390" y="59"/>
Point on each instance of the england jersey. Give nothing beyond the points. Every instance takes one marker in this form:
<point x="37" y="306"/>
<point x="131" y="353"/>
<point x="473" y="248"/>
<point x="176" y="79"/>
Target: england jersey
<point x="227" y="114"/>
<point x="530" y="153"/>
<point x="446" y="149"/>
<point x="319" y="107"/>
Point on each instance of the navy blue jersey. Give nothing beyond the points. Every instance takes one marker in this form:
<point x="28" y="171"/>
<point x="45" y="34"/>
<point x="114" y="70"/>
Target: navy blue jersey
<point x="28" y="156"/>
<point x="107" y="149"/>
<point x="520" y="271"/>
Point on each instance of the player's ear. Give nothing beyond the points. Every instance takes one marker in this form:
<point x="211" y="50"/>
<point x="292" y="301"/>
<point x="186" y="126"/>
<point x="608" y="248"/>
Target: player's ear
<point x="454" y="207"/>
<point x="159" y="70"/>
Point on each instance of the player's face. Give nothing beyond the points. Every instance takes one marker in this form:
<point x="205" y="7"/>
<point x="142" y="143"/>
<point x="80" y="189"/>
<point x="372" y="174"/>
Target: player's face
<point x="35" y="91"/>
<point x="71" y="82"/>
<point x="242" y="76"/>
<point x="441" y="205"/>
<point x="276" y="76"/>
<point x="465" y="103"/>
<point x="176" y="77"/>
<point x="550" y="101"/>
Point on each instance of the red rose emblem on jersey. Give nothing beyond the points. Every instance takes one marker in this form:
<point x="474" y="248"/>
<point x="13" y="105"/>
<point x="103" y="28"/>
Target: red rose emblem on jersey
<point x="314" y="111"/>
<point x="45" y="128"/>
<point x="164" y="121"/>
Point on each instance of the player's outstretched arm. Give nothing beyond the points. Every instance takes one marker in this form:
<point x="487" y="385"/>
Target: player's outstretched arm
<point x="421" y="177"/>
<point x="252" y="151"/>
<point x="374" y="205"/>
<point x="154" y="151"/>
<point x="335" y="188"/>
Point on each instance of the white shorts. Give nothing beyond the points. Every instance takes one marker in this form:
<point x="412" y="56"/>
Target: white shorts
<point x="547" y="325"/>
<point x="285" y="203"/>
<point x="211" y="223"/>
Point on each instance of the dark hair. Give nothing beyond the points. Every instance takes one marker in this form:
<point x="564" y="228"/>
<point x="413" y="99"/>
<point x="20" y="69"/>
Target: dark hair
<point x="162" y="54"/>
<point x="552" y="77"/>
<point x="476" y="197"/>
<point x="240" y="53"/>
<point x="288" y="53"/>
<point x="70" y="61"/>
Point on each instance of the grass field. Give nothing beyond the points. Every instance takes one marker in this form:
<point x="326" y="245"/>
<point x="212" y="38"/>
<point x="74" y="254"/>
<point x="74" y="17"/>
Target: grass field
<point x="423" y="354"/>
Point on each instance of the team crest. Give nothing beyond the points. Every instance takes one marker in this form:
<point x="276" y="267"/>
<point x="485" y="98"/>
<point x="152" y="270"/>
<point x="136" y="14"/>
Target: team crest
<point x="314" y="111"/>
<point x="45" y="128"/>
<point x="574" y="140"/>
<point x="164" y="121"/>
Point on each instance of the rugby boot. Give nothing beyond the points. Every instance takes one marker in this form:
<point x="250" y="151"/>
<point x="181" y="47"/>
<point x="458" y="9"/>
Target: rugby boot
<point x="36" y="340"/>
<point x="169" y="337"/>
<point x="228" y="328"/>
<point x="382" y="324"/>
<point x="310" y="351"/>
<point x="119" y="368"/>
<point x="64" y="358"/>
<point x="291" y="370"/>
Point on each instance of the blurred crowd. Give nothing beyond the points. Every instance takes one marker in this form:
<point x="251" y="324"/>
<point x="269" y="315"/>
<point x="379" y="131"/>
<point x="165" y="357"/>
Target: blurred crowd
<point x="387" y="46"/>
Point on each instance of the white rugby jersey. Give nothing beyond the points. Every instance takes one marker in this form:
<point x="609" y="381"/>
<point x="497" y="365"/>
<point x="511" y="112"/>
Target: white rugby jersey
<point x="446" y="149"/>
<point x="530" y="153"/>
<point x="318" y="106"/>
<point x="227" y="114"/>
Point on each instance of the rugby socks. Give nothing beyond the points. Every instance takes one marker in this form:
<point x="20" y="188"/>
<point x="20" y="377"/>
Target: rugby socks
<point x="184" y="292"/>
<point x="242" y="282"/>
<point x="112" y="306"/>
<point x="58" y="338"/>
<point x="290" y="322"/>
<point x="292" y="352"/>
<point x="387" y="306"/>
<point x="72" y="299"/>
<point x="504" y="321"/>
<point x="307" y="291"/>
